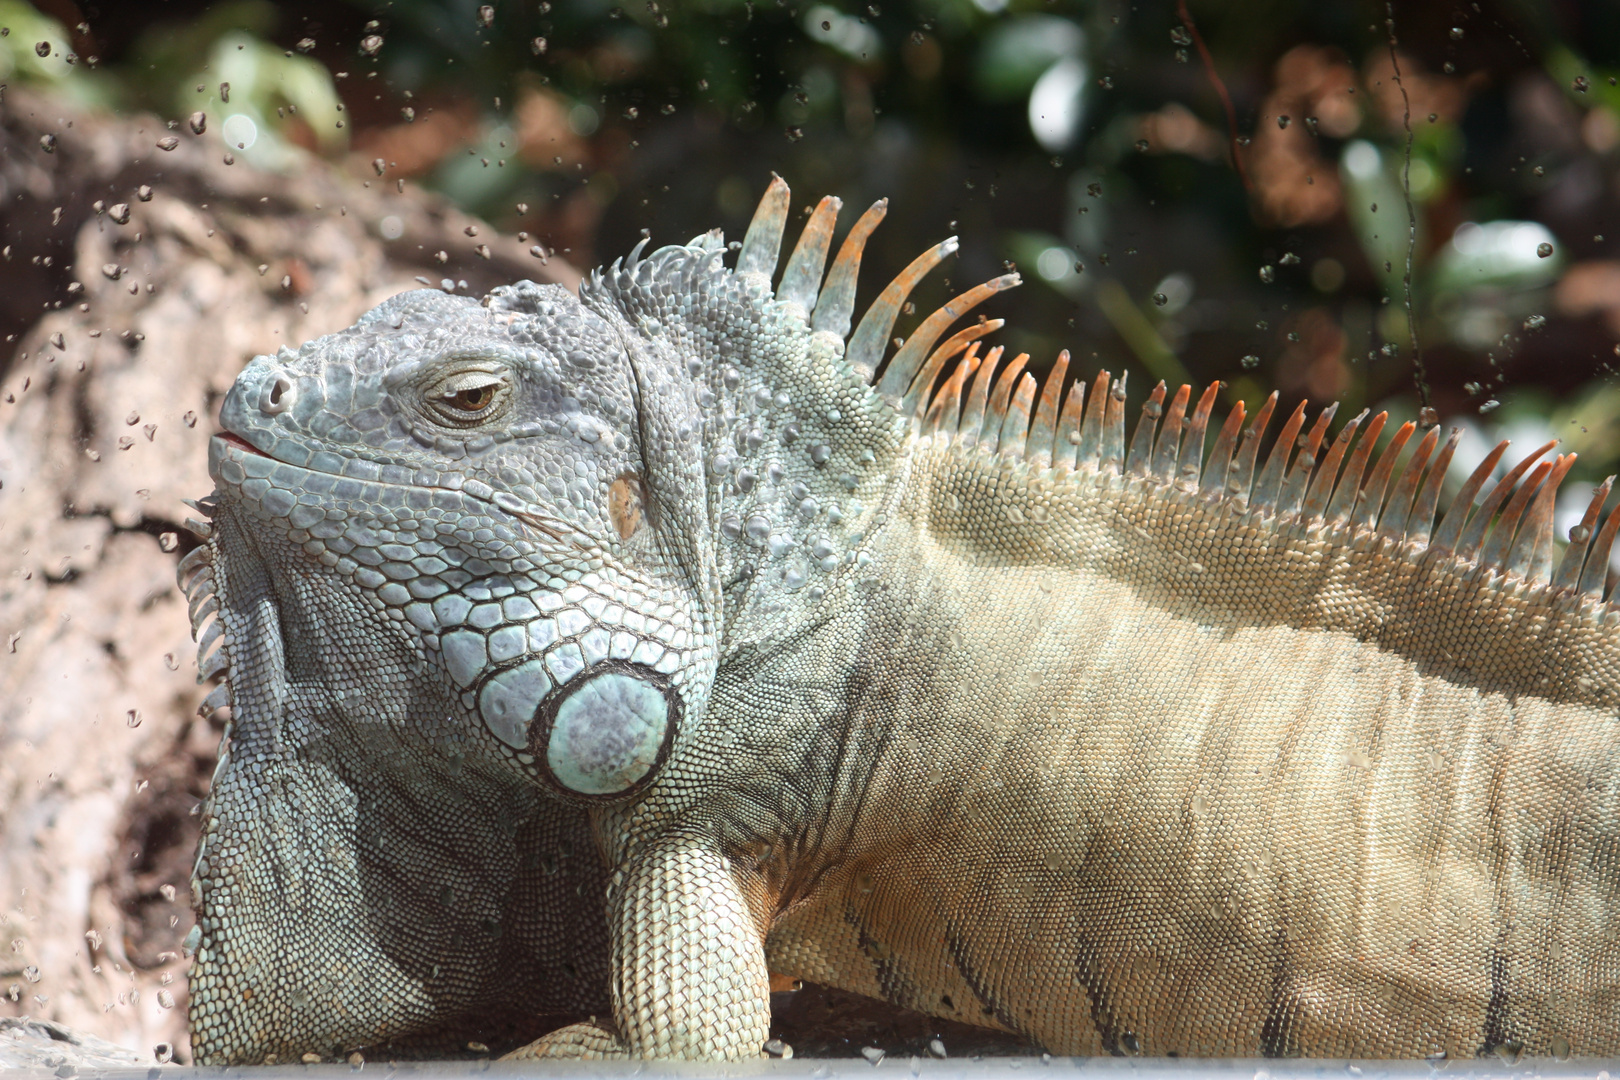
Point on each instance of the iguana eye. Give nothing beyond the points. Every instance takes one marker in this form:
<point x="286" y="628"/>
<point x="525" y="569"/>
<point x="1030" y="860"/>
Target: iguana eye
<point x="474" y="399"/>
<point x="467" y="397"/>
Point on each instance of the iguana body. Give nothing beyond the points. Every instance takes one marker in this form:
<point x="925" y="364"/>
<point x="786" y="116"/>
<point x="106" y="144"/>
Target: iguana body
<point x="938" y="694"/>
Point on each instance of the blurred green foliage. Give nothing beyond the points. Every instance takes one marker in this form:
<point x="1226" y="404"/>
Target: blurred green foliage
<point x="1087" y="141"/>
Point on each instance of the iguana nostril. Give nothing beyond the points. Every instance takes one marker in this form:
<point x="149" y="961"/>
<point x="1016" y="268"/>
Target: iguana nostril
<point x="278" y="395"/>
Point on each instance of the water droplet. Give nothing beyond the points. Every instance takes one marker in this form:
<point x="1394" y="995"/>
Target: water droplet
<point x="1283" y="121"/>
<point x="47" y="143"/>
<point x="168" y="142"/>
<point x="1250" y="362"/>
<point x="1558" y="1044"/>
<point x="1489" y="406"/>
<point x="371" y="44"/>
<point x="936" y="1048"/>
<point x="1160" y="299"/>
<point x="1200" y="806"/>
<point x="1544" y="250"/>
<point x="165" y="999"/>
<point x="163" y="1053"/>
<point x="1141" y="146"/>
<point x="1456" y="33"/>
<point x="872" y="1054"/>
<point x="1267" y="274"/>
<point x="486" y="15"/>
<point x="198" y="122"/>
<point x="132" y="718"/>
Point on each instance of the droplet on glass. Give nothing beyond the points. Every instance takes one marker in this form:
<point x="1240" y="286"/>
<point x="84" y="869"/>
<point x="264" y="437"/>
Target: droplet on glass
<point x="144" y="193"/>
<point x="305" y="44"/>
<point x="168" y="541"/>
<point x="198" y="122"/>
<point x="1160" y="299"/>
<point x="538" y="46"/>
<point x="486" y="15"/>
<point x="1544" y="250"/>
<point x="132" y="718"/>
<point x="119" y="212"/>
<point x="1283" y="121"/>
<point x="371" y="44"/>
<point x="225" y="92"/>
<point x="42" y="49"/>
<point x="168" y="142"/>
<point x="1141" y="146"/>
<point x="47" y="143"/>
<point x="1268" y="274"/>
<point x="1456" y="33"/>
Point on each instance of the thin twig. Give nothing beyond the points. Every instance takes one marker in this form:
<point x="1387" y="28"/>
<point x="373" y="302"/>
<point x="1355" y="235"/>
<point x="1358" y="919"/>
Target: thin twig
<point x="1418" y="372"/>
<point x="1220" y="88"/>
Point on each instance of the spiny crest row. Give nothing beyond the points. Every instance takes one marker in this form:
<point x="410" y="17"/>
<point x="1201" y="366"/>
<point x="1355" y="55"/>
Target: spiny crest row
<point x="1014" y="416"/>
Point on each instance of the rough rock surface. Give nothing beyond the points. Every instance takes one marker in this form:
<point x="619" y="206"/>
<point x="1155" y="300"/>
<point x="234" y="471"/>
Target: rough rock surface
<point x="28" y="1043"/>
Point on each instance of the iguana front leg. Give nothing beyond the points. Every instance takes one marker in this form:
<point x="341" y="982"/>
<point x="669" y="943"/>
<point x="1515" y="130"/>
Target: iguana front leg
<point x="689" y="974"/>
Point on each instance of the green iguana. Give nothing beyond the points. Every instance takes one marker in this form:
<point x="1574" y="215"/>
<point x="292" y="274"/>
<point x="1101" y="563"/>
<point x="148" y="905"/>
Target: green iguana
<point x="935" y="690"/>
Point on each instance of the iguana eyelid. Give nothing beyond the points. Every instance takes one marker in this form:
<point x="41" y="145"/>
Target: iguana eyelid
<point x="468" y="380"/>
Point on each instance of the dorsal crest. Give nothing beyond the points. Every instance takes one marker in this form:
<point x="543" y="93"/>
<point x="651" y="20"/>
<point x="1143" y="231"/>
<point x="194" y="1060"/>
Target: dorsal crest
<point x="788" y="355"/>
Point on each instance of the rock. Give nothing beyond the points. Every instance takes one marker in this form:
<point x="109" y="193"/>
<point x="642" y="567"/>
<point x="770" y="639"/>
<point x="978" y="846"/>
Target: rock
<point x="45" y="1044"/>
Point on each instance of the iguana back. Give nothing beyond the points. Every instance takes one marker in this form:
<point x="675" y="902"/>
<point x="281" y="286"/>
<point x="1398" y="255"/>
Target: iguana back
<point x="944" y="695"/>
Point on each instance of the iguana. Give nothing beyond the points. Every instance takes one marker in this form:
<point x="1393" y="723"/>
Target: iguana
<point x="932" y="689"/>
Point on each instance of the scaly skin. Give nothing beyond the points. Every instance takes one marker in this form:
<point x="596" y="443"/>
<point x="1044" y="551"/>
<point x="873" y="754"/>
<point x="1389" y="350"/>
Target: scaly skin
<point x="925" y="700"/>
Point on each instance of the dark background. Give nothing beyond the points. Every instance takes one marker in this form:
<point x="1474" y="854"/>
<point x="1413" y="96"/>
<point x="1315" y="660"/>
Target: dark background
<point x="670" y="116"/>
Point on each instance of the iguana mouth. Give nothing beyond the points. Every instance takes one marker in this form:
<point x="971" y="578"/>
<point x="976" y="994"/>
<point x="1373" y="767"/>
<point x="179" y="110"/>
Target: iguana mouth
<point x="239" y="442"/>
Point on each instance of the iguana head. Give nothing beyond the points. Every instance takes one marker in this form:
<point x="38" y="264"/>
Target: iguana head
<point x="488" y="477"/>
